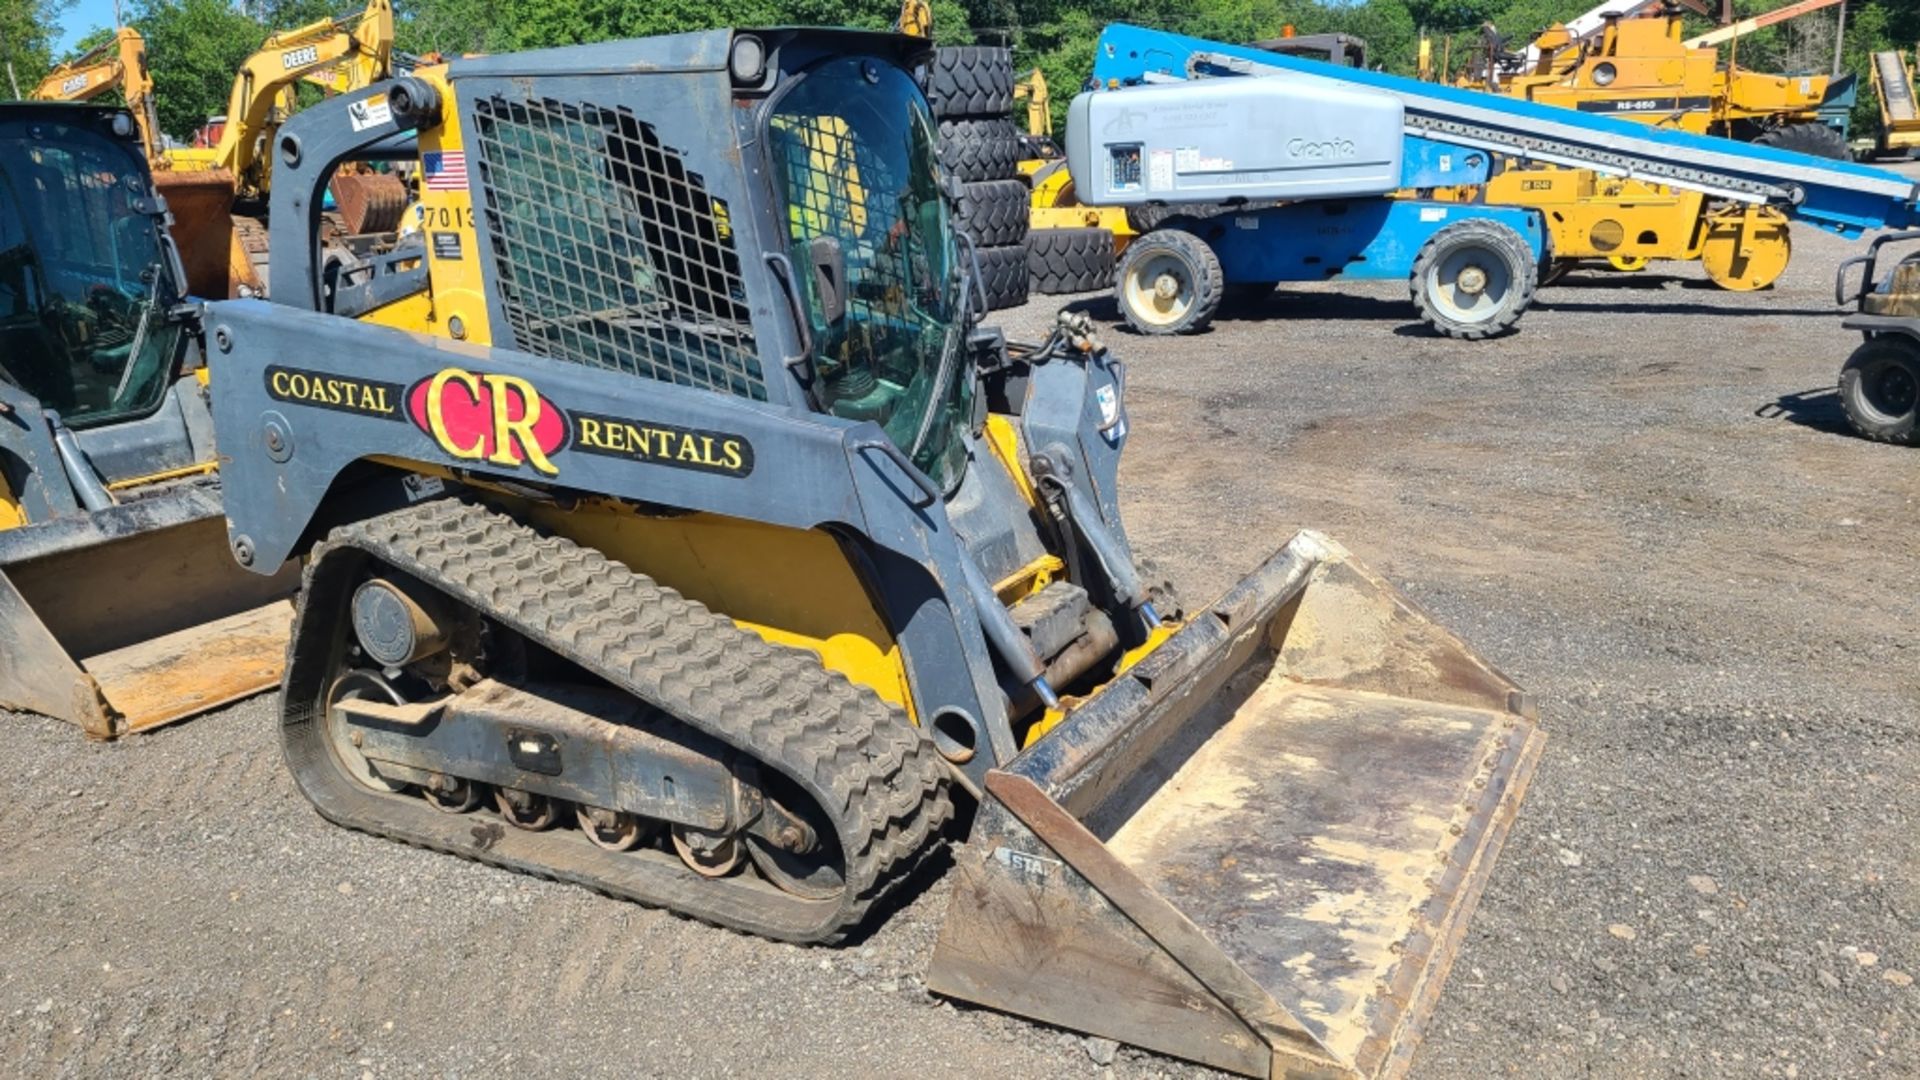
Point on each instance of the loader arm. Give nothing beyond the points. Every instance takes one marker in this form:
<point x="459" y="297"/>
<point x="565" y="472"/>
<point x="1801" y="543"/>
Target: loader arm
<point x="288" y="57"/>
<point x="120" y="64"/>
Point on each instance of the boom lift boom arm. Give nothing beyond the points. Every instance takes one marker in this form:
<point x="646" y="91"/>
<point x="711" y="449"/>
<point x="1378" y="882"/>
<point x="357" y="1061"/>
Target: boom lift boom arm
<point x="1839" y="196"/>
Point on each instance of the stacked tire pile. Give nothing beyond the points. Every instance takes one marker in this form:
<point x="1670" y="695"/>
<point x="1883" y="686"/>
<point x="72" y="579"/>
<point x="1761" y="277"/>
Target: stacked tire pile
<point x="971" y="90"/>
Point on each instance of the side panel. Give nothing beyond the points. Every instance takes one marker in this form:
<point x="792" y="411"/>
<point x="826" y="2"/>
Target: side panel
<point x="1366" y="239"/>
<point x="302" y="397"/>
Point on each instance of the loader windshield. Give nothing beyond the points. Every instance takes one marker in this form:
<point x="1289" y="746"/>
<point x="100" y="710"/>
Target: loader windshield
<point x="853" y="151"/>
<point x="83" y="279"/>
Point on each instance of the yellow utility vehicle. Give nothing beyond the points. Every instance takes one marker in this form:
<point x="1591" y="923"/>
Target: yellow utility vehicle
<point x="119" y="607"/>
<point x="725" y="560"/>
<point x="1643" y="68"/>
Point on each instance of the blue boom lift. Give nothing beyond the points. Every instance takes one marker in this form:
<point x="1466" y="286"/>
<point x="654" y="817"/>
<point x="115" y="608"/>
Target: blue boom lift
<point x="1246" y="168"/>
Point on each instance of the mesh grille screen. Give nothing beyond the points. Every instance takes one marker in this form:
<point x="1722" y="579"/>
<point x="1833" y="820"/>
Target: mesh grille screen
<point x="838" y="186"/>
<point x="609" y="252"/>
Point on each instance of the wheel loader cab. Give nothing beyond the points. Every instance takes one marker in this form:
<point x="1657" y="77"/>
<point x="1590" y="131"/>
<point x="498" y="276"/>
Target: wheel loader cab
<point x="85" y="280"/>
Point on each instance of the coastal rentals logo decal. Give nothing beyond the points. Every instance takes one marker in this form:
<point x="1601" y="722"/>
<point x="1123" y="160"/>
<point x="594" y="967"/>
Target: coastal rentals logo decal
<point x="503" y="420"/>
<point x="499" y="419"/>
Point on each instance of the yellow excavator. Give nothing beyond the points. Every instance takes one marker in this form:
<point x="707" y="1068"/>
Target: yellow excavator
<point x="198" y="198"/>
<point x="1630" y="58"/>
<point x="338" y="54"/>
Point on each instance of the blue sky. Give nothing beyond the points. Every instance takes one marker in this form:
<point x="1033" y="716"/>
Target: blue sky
<point x="80" y="18"/>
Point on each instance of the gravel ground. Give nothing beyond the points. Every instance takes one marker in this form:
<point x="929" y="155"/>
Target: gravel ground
<point x="1643" y="506"/>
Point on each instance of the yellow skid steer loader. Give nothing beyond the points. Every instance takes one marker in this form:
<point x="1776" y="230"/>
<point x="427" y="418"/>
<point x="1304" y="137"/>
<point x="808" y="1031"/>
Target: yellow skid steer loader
<point x="119" y="606"/>
<point x="672" y="528"/>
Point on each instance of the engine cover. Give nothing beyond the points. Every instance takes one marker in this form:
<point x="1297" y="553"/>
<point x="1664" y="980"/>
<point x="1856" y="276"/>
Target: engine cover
<point x="1211" y="140"/>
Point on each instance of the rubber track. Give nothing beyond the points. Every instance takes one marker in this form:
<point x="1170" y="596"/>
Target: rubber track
<point x="874" y="774"/>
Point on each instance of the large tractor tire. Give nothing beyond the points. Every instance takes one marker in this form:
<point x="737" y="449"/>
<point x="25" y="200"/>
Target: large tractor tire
<point x="1063" y="261"/>
<point x="1003" y="274"/>
<point x="971" y="80"/>
<point x="1170" y="282"/>
<point x="974" y="150"/>
<point x="993" y="213"/>
<point x="1818" y="140"/>
<point x="1880" y="389"/>
<point x="1473" y="279"/>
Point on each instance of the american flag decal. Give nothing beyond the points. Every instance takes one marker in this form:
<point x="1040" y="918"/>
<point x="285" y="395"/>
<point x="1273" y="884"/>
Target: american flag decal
<point x="446" y="170"/>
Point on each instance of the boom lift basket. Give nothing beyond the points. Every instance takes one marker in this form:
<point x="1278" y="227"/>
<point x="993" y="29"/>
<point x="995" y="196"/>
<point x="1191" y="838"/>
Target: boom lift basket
<point x="136" y="615"/>
<point x="1259" y="847"/>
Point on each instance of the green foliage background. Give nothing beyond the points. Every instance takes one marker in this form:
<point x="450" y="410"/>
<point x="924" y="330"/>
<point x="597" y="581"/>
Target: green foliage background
<point x="196" y="45"/>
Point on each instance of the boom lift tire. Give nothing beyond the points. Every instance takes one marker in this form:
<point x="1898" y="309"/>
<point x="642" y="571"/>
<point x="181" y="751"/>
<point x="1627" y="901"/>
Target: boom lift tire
<point x="970" y="80"/>
<point x="1069" y="260"/>
<point x="1880" y="389"/>
<point x="871" y="787"/>
<point x="1818" y="140"/>
<point x="975" y="149"/>
<point x="1003" y="273"/>
<point x="993" y="213"/>
<point x="1170" y="282"/>
<point x="1473" y="280"/>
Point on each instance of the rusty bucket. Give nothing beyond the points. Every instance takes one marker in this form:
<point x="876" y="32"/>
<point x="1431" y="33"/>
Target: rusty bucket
<point x="201" y="201"/>
<point x="1260" y="847"/>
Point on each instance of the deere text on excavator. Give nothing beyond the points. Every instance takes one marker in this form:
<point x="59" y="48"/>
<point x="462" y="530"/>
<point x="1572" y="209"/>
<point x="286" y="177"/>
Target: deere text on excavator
<point x="683" y="535"/>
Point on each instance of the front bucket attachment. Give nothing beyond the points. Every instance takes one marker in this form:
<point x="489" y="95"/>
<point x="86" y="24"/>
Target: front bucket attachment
<point x="201" y="201"/>
<point x="137" y="615"/>
<point x="1258" y="848"/>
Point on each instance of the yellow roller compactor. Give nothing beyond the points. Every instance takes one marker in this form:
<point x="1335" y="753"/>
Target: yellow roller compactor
<point x="682" y="534"/>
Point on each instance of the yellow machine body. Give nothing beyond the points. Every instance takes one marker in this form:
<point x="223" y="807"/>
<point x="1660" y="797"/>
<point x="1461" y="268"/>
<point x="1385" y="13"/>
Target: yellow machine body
<point x="1630" y="224"/>
<point x="1642" y="69"/>
<point x="1899" y="113"/>
<point x="362" y="44"/>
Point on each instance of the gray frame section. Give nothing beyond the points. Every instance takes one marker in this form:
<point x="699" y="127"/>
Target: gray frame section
<point x="809" y="471"/>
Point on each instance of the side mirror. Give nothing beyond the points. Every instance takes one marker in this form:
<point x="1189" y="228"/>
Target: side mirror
<point x="829" y="264"/>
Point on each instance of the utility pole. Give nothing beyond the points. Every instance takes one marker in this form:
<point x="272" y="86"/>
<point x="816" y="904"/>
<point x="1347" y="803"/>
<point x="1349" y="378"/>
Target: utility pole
<point x="1839" y="37"/>
<point x="13" y="80"/>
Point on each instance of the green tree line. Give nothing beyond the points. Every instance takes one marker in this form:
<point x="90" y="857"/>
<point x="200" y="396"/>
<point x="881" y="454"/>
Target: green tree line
<point x="195" y="46"/>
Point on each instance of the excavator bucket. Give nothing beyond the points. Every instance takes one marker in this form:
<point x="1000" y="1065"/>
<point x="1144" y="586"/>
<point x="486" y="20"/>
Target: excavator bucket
<point x="126" y="618"/>
<point x="1259" y="847"/>
<point x="201" y="201"/>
